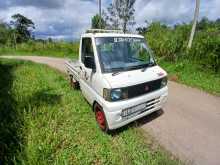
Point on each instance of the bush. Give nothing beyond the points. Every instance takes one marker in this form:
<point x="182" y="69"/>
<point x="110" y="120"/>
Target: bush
<point x="206" y="49"/>
<point x="166" y="42"/>
<point x="60" y="49"/>
<point x="170" y="43"/>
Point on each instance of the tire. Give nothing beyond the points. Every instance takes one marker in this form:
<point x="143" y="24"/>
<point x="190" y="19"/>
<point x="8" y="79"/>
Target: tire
<point x="74" y="84"/>
<point x="100" y="118"/>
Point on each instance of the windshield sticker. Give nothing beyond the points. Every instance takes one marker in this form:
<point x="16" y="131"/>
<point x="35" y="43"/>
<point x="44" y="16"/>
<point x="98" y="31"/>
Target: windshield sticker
<point x="126" y="39"/>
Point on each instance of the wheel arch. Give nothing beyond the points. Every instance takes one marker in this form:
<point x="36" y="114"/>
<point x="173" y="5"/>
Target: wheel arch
<point x="93" y="105"/>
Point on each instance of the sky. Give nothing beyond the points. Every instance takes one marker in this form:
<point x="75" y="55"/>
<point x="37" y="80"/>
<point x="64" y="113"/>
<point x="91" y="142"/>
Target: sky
<point x="67" y="19"/>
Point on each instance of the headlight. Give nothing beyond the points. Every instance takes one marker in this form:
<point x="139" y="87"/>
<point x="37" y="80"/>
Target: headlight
<point x="164" y="82"/>
<point x="115" y="94"/>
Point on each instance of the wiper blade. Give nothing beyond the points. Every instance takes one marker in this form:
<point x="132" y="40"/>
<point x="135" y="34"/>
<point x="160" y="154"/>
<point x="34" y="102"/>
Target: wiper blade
<point x="148" y="65"/>
<point x="116" y="73"/>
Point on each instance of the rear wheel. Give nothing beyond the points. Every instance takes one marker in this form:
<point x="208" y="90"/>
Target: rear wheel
<point x="74" y="84"/>
<point x="100" y="118"/>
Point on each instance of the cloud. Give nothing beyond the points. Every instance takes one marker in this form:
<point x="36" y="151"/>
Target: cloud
<point x="210" y="9"/>
<point x="174" y="11"/>
<point x="67" y="21"/>
<point x="169" y="12"/>
<point x="69" y="18"/>
<point x="34" y="3"/>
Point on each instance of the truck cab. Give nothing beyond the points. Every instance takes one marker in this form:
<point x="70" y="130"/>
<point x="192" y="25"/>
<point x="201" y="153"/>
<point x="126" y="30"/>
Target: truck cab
<point x="118" y="75"/>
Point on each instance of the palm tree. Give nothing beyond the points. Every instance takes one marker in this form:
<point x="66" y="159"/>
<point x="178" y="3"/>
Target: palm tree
<point x="196" y="15"/>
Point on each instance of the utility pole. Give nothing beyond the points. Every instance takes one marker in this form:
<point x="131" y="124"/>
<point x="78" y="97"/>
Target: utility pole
<point x="100" y="8"/>
<point x="196" y="15"/>
<point x="100" y="14"/>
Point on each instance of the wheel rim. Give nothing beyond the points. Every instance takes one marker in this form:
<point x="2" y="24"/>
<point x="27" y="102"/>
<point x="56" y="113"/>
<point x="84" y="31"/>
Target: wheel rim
<point x="100" y="118"/>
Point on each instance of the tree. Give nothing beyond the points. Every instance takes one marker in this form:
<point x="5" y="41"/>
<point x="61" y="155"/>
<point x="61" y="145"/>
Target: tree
<point x="203" y="24"/>
<point x="98" y="22"/>
<point x="4" y="32"/>
<point x="22" y="27"/>
<point x="111" y="17"/>
<point x="142" y="30"/>
<point x="217" y="21"/>
<point x="121" y="14"/>
<point x="125" y="9"/>
<point x="196" y="15"/>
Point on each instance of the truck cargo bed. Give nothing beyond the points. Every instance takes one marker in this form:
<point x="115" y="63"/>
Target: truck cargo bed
<point x="73" y="68"/>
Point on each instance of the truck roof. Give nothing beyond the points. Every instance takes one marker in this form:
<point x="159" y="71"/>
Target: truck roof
<point x="108" y="34"/>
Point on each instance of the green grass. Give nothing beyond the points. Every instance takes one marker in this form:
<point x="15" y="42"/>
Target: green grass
<point x="44" y="121"/>
<point x="56" y="49"/>
<point x="193" y="75"/>
<point x="49" y="53"/>
<point x="184" y="71"/>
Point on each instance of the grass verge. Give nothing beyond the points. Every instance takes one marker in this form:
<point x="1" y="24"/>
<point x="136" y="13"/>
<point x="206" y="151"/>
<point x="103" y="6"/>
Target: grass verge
<point x="56" y="49"/>
<point x="48" y="53"/>
<point x="44" y="121"/>
<point x="193" y="75"/>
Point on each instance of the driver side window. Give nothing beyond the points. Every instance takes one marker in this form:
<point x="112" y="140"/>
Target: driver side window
<point x="87" y="49"/>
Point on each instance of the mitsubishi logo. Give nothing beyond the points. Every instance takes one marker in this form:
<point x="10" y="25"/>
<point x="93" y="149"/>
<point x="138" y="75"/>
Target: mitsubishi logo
<point x="160" y="74"/>
<point x="146" y="88"/>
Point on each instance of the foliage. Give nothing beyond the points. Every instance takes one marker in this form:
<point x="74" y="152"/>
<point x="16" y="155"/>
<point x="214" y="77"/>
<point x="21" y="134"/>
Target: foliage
<point x="121" y="14"/>
<point x="206" y="49"/>
<point x="22" y="26"/>
<point x="18" y="31"/>
<point x="192" y="74"/>
<point x="111" y="18"/>
<point x="98" y="22"/>
<point x="43" y="48"/>
<point x="141" y="30"/>
<point x="46" y="122"/>
<point x="170" y="43"/>
<point x="165" y="41"/>
<point x="4" y="33"/>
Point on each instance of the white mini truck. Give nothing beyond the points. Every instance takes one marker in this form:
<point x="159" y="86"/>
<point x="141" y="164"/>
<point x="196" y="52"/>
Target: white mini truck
<point x="118" y="76"/>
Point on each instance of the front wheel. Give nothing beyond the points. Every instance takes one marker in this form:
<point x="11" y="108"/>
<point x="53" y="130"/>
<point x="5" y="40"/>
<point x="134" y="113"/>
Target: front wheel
<point x="100" y="118"/>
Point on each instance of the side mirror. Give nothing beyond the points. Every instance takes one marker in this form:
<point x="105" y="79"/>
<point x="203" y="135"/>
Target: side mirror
<point x="89" y="62"/>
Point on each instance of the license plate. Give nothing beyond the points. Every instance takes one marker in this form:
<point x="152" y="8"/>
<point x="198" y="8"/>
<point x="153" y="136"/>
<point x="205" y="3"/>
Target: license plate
<point x="134" y="110"/>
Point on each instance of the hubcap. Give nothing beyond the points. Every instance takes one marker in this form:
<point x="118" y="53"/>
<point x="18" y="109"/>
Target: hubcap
<point x="100" y="118"/>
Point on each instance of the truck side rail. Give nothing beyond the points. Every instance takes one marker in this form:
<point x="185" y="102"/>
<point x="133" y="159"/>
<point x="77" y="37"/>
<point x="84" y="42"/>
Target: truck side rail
<point x="73" y="69"/>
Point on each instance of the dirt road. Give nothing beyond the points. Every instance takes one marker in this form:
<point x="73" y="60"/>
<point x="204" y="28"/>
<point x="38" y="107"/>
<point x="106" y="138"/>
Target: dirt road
<point x="189" y="126"/>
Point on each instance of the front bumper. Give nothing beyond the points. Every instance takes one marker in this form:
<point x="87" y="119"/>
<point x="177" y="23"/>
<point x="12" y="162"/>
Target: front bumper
<point x="113" y="110"/>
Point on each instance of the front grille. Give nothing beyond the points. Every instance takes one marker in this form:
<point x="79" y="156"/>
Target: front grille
<point x="139" y="109"/>
<point x="144" y="88"/>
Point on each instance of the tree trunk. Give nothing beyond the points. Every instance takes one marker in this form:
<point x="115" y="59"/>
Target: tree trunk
<point x="124" y="26"/>
<point x="15" y="40"/>
<point x="196" y="15"/>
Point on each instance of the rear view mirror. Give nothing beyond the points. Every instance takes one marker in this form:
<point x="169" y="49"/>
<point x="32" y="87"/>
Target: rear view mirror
<point x="89" y="62"/>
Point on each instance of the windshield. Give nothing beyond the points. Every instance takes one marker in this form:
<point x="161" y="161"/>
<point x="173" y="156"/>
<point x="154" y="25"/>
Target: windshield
<point x="123" y="53"/>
